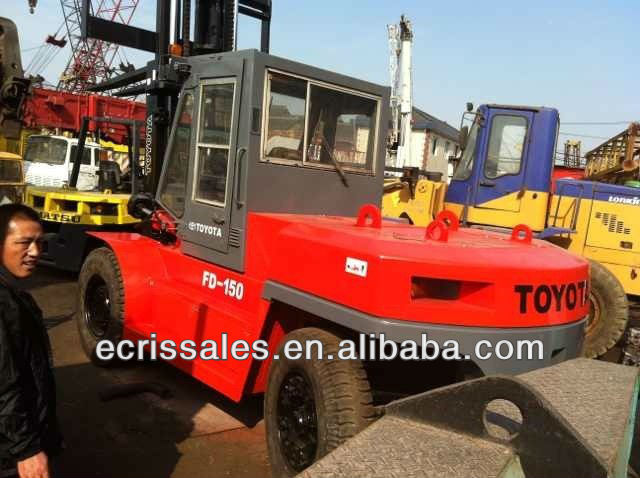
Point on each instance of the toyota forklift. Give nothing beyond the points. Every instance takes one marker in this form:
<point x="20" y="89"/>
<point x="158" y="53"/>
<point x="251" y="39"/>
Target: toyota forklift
<point x="264" y="227"/>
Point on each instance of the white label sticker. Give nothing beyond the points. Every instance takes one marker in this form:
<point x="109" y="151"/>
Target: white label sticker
<point x="356" y="267"/>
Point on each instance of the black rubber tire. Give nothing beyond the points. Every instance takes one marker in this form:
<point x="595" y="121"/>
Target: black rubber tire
<point x="102" y="264"/>
<point x="610" y="302"/>
<point x="341" y="393"/>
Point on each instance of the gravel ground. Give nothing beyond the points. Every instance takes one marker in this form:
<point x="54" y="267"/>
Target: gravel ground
<point x="197" y="433"/>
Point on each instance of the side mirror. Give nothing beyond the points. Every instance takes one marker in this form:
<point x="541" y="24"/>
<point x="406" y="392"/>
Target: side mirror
<point x="463" y="137"/>
<point x="469" y="107"/>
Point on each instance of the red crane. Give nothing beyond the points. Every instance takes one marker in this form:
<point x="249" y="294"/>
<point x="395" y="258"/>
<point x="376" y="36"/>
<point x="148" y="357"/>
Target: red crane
<point x="91" y="60"/>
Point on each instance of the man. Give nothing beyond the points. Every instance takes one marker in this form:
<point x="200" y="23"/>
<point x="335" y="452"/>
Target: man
<point x="28" y="424"/>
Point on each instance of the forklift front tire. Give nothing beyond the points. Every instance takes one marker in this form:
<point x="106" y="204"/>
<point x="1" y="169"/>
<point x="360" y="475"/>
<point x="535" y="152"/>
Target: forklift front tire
<point x="313" y="406"/>
<point x="609" y="312"/>
<point x="100" y="311"/>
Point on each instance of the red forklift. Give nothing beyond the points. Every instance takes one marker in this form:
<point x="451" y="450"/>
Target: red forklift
<point x="263" y="227"/>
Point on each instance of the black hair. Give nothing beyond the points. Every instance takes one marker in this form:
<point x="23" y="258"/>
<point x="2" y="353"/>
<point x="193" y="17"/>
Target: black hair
<point x="11" y="211"/>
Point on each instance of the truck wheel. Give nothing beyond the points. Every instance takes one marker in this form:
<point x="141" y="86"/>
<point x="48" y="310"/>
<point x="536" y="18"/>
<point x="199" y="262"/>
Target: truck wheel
<point x="609" y="312"/>
<point x="312" y="406"/>
<point x="101" y="302"/>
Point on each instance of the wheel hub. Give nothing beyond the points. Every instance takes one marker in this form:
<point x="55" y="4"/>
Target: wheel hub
<point x="97" y="307"/>
<point x="297" y="421"/>
<point x="595" y="311"/>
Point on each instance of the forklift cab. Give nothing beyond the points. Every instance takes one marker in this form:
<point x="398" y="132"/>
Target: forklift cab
<point x="504" y="175"/>
<point x="256" y="133"/>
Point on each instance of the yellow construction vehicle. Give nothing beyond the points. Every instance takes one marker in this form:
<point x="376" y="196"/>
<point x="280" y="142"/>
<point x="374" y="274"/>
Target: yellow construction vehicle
<point x="12" y="185"/>
<point x="68" y="212"/>
<point x="506" y="177"/>
<point x="13" y="90"/>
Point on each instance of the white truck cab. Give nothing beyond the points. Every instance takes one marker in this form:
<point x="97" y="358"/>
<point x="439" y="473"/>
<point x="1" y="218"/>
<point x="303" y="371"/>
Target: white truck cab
<point x="48" y="161"/>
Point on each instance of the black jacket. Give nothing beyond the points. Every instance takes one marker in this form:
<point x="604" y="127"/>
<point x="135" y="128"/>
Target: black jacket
<point x="28" y="422"/>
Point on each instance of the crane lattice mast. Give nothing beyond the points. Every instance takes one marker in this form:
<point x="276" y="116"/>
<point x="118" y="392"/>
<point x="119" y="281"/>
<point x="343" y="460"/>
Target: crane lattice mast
<point x="91" y="60"/>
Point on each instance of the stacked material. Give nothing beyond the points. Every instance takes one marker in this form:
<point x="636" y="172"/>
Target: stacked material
<point x="616" y="160"/>
<point x="631" y="352"/>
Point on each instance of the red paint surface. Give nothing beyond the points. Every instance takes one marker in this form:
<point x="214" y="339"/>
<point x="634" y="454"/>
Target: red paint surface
<point x="560" y="172"/>
<point x="164" y="291"/>
<point x="46" y="108"/>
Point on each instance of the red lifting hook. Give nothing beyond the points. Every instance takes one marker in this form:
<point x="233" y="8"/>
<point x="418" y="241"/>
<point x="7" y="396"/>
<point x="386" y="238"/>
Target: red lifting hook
<point x="439" y="228"/>
<point x="438" y="231"/>
<point x="369" y="211"/>
<point x="528" y="234"/>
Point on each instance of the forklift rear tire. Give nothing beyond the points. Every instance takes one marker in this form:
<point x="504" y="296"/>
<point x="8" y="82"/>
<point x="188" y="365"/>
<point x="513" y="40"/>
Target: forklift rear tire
<point x="312" y="406"/>
<point x="100" y="311"/>
<point x="609" y="312"/>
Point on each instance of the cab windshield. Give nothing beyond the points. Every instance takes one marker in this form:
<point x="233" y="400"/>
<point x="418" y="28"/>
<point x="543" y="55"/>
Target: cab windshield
<point x="41" y="149"/>
<point x="465" y="166"/>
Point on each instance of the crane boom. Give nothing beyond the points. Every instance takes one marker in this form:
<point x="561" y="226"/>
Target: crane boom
<point x="91" y="60"/>
<point x="617" y="160"/>
<point x="400" y="43"/>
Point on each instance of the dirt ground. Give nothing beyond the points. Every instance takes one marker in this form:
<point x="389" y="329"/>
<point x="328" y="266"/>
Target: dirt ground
<point x="196" y="433"/>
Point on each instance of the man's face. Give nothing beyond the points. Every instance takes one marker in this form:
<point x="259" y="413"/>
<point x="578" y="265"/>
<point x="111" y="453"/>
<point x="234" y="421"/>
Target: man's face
<point x="22" y="247"/>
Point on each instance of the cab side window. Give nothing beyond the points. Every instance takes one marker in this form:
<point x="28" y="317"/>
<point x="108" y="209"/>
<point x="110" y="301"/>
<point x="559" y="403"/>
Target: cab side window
<point x="318" y="125"/>
<point x="173" y="185"/>
<point x="86" y="154"/>
<point x="506" y="146"/>
<point x="465" y="165"/>
<point x="287" y="107"/>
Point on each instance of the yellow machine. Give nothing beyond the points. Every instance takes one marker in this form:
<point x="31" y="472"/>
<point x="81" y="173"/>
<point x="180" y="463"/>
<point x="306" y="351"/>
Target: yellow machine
<point x="606" y="230"/>
<point x="413" y="199"/>
<point x="12" y="186"/>
<point x="506" y="176"/>
<point x="86" y="208"/>
<point x="16" y="146"/>
<point x="68" y="212"/>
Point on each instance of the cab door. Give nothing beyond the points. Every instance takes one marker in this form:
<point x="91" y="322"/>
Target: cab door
<point x="500" y="187"/>
<point x="212" y="205"/>
<point x="205" y="295"/>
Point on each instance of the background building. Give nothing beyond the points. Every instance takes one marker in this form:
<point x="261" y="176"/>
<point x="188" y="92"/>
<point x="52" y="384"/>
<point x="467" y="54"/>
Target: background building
<point x="436" y="141"/>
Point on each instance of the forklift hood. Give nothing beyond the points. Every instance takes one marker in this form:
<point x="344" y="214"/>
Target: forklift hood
<point x="474" y="278"/>
<point x="389" y="270"/>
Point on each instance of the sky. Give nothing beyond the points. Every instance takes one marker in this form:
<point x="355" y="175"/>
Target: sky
<point x="577" y="56"/>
